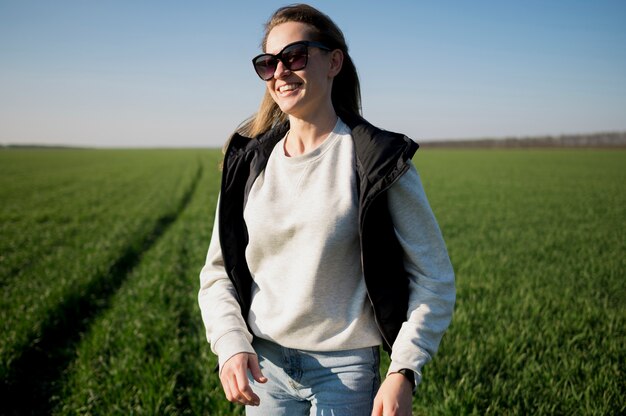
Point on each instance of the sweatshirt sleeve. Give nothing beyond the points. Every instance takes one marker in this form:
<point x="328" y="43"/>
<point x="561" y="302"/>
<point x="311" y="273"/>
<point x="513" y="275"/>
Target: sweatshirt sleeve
<point x="226" y="328"/>
<point x="432" y="292"/>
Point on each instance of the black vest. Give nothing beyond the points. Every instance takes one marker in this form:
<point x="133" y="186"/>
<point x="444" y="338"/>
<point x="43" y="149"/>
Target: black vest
<point x="381" y="158"/>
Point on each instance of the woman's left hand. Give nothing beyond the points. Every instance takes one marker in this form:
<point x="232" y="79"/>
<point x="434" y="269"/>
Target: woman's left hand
<point x="394" y="398"/>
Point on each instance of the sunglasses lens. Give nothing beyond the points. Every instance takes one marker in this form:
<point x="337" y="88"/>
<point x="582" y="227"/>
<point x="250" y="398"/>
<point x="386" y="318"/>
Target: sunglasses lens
<point x="265" y="66"/>
<point x="295" y="57"/>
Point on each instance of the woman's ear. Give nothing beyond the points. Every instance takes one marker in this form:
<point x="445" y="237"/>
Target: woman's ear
<point x="336" y="61"/>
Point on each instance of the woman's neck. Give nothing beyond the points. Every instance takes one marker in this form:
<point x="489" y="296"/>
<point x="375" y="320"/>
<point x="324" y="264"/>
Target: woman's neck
<point x="307" y="134"/>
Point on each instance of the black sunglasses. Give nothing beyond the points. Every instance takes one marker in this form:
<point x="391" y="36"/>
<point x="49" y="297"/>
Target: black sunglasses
<point x="293" y="56"/>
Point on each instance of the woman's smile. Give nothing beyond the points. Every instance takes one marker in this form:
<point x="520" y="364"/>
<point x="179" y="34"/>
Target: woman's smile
<point x="288" y="89"/>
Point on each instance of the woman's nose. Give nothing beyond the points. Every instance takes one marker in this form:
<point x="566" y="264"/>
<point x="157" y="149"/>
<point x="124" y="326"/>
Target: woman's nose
<point x="281" y="70"/>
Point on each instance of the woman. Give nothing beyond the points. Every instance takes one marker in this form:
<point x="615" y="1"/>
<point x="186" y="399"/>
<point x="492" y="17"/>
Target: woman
<point x="324" y="245"/>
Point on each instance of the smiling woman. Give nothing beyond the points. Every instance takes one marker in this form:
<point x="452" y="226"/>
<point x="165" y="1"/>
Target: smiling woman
<point x="317" y="31"/>
<point x="325" y="247"/>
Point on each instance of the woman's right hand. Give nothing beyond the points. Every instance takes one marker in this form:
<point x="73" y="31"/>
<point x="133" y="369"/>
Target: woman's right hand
<point x="234" y="378"/>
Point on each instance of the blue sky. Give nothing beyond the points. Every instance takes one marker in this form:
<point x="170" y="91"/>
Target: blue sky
<point x="178" y="74"/>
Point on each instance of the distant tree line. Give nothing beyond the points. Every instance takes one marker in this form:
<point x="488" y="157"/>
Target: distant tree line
<point x="602" y="140"/>
<point x="606" y="139"/>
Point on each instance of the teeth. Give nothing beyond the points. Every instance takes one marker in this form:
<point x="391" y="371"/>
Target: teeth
<point x="288" y="87"/>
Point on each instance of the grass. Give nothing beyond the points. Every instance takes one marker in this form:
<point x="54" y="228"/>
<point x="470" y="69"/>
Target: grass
<point x="101" y="252"/>
<point x="537" y="239"/>
<point x="147" y="354"/>
<point x="109" y="207"/>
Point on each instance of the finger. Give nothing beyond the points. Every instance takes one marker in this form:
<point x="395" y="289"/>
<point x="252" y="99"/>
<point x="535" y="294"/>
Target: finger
<point x="255" y="369"/>
<point x="231" y="388"/>
<point x="246" y="395"/>
<point x="227" y="392"/>
<point x="236" y="395"/>
<point x="377" y="410"/>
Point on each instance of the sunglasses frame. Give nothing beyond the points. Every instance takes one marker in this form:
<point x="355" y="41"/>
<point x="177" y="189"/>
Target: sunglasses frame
<point x="279" y="56"/>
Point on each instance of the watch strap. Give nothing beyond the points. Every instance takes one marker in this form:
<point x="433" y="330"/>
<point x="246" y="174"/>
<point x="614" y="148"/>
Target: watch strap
<point x="409" y="374"/>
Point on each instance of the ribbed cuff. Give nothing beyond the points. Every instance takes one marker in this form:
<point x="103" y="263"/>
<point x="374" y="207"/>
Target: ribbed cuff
<point x="230" y="344"/>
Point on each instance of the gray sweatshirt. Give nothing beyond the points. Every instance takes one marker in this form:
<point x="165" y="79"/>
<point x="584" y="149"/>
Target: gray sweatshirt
<point x="308" y="290"/>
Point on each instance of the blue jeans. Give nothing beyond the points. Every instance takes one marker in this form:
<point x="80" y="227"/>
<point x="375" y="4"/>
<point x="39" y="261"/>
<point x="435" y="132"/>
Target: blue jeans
<point x="338" y="383"/>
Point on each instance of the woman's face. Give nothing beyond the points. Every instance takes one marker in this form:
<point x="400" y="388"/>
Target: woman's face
<point x="304" y="92"/>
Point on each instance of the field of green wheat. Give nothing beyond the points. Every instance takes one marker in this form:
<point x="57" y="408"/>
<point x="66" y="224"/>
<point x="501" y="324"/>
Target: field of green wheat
<point x="100" y="252"/>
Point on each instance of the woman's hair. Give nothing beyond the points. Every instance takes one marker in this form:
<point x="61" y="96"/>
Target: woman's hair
<point x="346" y="91"/>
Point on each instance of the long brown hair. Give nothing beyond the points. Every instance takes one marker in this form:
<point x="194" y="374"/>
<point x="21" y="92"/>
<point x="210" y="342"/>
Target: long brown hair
<point x="346" y="90"/>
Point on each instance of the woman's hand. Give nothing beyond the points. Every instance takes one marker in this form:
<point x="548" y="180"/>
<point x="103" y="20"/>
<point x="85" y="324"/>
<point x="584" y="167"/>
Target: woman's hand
<point x="394" y="398"/>
<point x="234" y="378"/>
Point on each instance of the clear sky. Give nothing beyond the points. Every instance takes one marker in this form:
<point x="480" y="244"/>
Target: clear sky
<point x="178" y="74"/>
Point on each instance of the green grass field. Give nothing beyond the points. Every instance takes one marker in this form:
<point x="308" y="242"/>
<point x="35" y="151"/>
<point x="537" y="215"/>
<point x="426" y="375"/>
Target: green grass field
<point x="100" y="252"/>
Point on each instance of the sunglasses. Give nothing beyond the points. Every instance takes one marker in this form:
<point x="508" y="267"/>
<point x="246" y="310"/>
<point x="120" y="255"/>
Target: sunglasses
<point x="293" y="56"/>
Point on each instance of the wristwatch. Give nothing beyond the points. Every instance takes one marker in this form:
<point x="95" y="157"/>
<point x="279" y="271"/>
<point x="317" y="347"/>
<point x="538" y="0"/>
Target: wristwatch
<point x="409" y="374"/>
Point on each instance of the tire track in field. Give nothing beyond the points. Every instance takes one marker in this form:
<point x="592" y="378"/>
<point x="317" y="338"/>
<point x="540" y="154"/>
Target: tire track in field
<point x="36" y="377"/>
